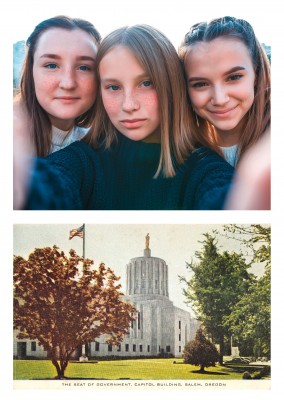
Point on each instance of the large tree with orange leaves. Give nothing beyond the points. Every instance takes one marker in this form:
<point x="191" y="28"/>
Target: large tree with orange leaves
<point x="63" y="302"/>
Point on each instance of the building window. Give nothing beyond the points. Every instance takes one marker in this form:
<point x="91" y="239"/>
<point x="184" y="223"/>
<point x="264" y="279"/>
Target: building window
<point x="179" y="324"/>
<point x="179" y="349"/>
<point x="33" y="346"/>
<point x="179" y="336"/>
<point x="168" y="349"/>
<point x="141" y="348"/>
<point x="109" y="347"/>
<point x="139" y="320"/>
<point x="134" y="347"/>
<point x="148" y="348"/>
<point x="127" y="347"/>
<point x="159" y="348"/>
<point x="97" y="348"/>
<point x="119" y="347"/>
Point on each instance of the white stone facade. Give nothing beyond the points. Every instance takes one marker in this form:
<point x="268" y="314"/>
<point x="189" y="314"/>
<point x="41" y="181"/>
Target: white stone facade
<point x="25" y="348"/>
<point x="161" y="328"/>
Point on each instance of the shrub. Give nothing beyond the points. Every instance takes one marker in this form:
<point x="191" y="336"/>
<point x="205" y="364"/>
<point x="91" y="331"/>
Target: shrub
<point x="263" y="372"/>
<point x="200" y="351"/>
<point x="246" y="375"/>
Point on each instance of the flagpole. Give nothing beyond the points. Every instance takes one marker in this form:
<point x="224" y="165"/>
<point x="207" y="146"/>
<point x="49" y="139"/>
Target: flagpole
<point x="83" y="240"/>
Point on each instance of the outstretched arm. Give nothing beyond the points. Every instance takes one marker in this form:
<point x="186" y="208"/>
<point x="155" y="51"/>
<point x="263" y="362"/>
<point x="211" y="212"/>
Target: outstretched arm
<point x="251" y="189"/>
<point x="23" y="153"/>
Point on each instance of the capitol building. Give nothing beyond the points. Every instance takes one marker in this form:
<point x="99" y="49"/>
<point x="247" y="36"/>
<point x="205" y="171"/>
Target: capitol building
<point x="160" y="329"/>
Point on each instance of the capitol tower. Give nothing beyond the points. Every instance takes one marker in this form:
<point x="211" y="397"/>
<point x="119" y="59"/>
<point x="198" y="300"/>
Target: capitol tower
<point x="160" y="328"/>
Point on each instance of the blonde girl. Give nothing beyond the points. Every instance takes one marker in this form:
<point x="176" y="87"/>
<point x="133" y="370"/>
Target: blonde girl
<point x="138" y="154"/>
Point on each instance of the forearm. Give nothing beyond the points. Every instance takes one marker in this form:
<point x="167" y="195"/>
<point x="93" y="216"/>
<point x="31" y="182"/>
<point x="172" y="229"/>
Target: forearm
<point x="50" y="189"/>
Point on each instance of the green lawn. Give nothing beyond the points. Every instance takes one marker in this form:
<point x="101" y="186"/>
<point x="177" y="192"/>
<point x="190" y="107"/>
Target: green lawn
<point x="145" y="369"/>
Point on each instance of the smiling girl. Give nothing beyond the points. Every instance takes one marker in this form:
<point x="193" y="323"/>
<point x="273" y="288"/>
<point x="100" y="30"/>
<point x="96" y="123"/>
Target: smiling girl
<point x="228" y="81"/>
<point x="138" y="153"/>
<point x="58" y="85"/>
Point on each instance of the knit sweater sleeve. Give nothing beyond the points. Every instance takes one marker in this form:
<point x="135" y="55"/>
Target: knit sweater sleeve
<point x="211" y="179"/>
<point x="62" y="181"/>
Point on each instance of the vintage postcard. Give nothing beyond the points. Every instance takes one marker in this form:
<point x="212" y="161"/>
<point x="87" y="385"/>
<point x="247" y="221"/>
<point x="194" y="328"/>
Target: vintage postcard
<point x="142" y="306"/>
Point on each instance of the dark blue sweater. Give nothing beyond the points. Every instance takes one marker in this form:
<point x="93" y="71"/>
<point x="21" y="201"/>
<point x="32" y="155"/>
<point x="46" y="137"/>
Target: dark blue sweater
<point x="121" y="178"/>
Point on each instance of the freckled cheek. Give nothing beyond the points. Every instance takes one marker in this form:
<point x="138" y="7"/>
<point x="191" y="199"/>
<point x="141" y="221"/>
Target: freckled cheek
<point x="151" y="101"/>
<point x="111" y="105"/>
<point x="44" y="85"/>
<point x="89" y="89"/>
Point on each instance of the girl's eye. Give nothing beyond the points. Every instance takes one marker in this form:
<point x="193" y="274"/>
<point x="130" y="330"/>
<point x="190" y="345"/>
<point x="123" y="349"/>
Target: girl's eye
<point x="197" y="85"/>
<point x="235" y="77"/>
<point x="146" y="83"/>
<point x="51" y="66"/>
<point x="84" y="68"/>
<point x="113" y="88"/>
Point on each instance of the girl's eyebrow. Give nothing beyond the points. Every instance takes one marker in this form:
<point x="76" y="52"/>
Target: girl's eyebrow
<point x="57" y="57"/>
<point x="49" y="55"/>
<point x="230" y="71"/>
<point x="238" y="68"/>
<point x="138" y="78"/>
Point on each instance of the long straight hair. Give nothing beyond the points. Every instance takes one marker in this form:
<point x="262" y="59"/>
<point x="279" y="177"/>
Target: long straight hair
<point x="257" y="119"/>
<point x="160" y="60"/>
<point x="41" y="125"/>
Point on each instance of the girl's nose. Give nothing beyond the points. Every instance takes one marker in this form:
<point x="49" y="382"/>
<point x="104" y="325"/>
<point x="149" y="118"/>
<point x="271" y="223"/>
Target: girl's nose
<point x="130" y="102"/>
<point x="68" y="80"/>
<point x="219" y="96"/>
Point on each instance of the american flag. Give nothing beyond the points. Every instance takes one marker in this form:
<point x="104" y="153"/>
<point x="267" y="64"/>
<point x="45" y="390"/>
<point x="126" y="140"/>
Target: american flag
<point x="77" y="232"/>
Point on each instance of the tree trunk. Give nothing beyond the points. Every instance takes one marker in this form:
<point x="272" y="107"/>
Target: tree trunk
<point x="60" y="369"/>
<point x="222" y="347"/>
<point x="201" y="368"/>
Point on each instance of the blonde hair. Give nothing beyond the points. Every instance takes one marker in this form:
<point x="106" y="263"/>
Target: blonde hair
<point x="159" y="58"/>
<point x="257" y="120"/>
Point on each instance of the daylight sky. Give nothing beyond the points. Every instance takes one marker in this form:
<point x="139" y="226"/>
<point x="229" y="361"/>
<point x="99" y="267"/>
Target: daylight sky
<point x="173" y="17"/>
<point x="116" y="244"/>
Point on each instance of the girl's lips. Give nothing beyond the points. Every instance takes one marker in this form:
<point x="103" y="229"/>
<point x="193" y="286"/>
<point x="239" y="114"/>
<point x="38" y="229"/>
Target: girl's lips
<point x="67" y="99"/>
<point x="223" y="112"/>
<point x="133" y="123"/>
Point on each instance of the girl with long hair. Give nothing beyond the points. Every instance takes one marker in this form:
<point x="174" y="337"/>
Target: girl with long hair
<point x="58" y="85"/>
<point x="228" y="81"/>
<point x="138" y="153"/>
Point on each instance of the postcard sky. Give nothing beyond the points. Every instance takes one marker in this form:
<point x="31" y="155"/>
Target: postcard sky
<point x="116" y="244"/>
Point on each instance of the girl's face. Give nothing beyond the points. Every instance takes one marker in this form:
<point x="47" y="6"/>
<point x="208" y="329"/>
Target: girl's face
<point x="128" y="95"/>
<point x="220" y="76"/>
<point x="64" y="74"/>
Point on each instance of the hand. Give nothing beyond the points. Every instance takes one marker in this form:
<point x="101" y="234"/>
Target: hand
<point x="23" y="153"/>
<point x="252" y="185"/>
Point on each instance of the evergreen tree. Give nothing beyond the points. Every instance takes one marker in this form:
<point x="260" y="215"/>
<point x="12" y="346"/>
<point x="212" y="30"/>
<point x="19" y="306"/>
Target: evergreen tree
<point x="250" y="318"/>
<point x="219" y="281"/>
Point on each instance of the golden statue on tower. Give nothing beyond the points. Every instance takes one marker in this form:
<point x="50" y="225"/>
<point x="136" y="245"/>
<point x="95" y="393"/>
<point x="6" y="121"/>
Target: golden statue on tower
<point x="147" y="241"/>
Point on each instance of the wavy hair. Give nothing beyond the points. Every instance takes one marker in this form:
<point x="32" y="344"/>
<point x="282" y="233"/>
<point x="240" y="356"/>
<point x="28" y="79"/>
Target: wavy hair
<point x="258" y="117"/>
